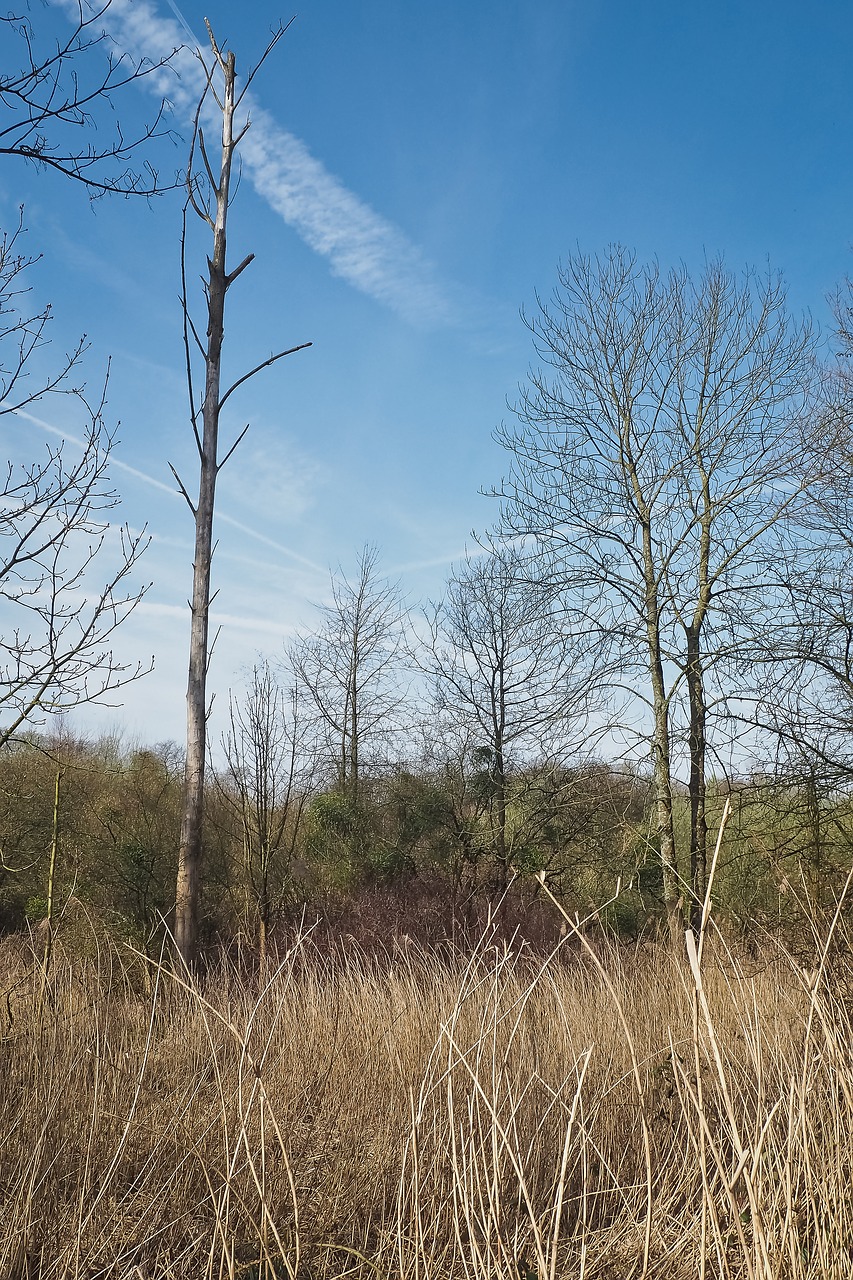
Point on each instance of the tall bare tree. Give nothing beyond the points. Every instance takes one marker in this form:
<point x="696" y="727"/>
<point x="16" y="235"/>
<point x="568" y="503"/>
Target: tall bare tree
<point x="511" y="681"/>
<point x="662" y="455"/>
<point x="209" y="197"/>
<point x="350" y="669"/>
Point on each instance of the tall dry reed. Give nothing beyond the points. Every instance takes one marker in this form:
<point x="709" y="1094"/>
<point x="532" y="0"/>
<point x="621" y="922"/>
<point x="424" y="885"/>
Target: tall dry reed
<point x="597" y="1112"/>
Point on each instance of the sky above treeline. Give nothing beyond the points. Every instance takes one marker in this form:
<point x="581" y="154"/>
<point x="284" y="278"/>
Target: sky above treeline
<point x="412" y="177"/>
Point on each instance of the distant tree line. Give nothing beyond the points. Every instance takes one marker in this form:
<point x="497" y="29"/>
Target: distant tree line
<point x="421" y="856"/>
<point x="398" y="776"/>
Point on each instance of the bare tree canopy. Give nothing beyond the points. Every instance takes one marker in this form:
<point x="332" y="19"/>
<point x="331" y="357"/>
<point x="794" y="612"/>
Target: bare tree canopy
<point x="807" y="694"/>
<point x="501" y="657"/>
<point x="350" y="669"/>
<point x="209" y="197"/>
<point x="511" y="684"/>
<point x="59" y="104"/>
<point x="662" y="457"/>
<point x="60" y="610"/>
<point x="269" y="778"/>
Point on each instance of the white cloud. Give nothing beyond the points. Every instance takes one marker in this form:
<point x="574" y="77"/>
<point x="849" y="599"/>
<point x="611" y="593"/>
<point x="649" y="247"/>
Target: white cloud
<point x="361" y="246"/>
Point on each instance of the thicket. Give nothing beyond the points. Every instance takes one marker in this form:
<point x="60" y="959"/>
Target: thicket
<point x="409" y="860"/>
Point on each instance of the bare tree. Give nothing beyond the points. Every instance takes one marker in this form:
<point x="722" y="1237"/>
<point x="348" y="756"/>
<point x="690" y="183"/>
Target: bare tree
<point x="59" y="104"/>
<point x="842" y="307"/>
<point x="806" y="702"/>
<point x="804" y="713"/>
<point x="661" y="457"/>
<point x="60" y="610"/>
<point x="209" y="197"/>
<point x="269" y="780"/>
<point x="507" y="673"/>
<point x="807" y="686"/>
<point x="350" y="669"/>
<point x="55" y="522"/>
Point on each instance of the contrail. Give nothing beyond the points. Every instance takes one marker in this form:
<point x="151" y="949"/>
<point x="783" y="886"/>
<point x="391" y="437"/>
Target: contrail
<point x="240" y="622"/>
<point x="186" y="26"/>
<point x="269" y="542"/>
<point x="81" y="444"/>
<point x="361" y="246"/>
<point x="172" y="492"/>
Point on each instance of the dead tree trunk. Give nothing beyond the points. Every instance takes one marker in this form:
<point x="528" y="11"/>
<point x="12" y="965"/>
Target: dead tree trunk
<point x="209" y="197"/>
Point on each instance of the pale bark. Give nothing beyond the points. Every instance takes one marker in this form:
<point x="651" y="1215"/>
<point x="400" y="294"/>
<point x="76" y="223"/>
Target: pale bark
<point x="187" y="892"/>
<point x="207" y="440"/>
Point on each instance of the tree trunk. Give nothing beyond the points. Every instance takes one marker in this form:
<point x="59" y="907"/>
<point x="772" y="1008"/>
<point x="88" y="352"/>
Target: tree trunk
<point x="264" y="914"/>
<point x="660" y="742"/>
<point x="698" y="817"/>
<point x="204" y="191"/>
<point x="673" y="898"/>
<point x="500" y="820"/>
<point x="187" y="895"/>
<point x="698" y="711"/>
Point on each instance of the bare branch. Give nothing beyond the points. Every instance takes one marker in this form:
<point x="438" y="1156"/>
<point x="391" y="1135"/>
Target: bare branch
<point x="214" y="185"/>
<point x="263" y="365"/>
<point x="233" y="447"/>
<point x="232" y="276"/>
<point x="276" y="36"/>
<point x="180" y="484"/>
<point x="72" y="85"/>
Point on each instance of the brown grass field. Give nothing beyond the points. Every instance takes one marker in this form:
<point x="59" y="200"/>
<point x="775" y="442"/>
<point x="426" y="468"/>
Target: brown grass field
<point x="594" y="1112"/>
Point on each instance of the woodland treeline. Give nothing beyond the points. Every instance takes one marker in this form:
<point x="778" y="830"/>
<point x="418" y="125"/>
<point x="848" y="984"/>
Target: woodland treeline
<point x="659" y="618"/>
<point x="89" y="830"/>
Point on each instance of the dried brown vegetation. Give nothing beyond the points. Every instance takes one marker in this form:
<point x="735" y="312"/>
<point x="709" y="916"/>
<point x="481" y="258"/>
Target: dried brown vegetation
<point x="596" y="1112"/>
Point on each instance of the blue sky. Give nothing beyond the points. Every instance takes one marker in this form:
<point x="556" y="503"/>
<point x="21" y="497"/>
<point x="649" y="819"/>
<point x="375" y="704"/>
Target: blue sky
<point x="414" y="176"/>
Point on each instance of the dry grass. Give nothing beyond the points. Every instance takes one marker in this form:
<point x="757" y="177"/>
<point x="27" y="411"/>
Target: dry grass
<point x="589" y="1114"/>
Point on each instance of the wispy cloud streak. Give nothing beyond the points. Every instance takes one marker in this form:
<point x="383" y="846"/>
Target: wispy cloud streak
<point x="234" y="622"/>
<point x="363" y="248"/>
<point x="154" y="483"/>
